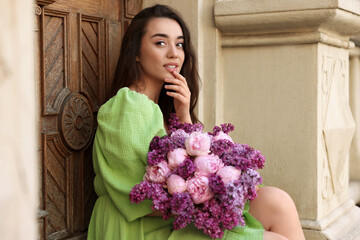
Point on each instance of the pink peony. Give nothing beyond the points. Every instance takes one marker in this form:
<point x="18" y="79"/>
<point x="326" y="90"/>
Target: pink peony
<point x="157" y="173"/>
<point x="207" y="165"/>
<point x="175" y="184"/>
<point x="198" y="188"/>
<point x="229" y="173"/>
<point x="176" y="157"/>
<point x="222" y="135"/>
<point x="198" y="144"/>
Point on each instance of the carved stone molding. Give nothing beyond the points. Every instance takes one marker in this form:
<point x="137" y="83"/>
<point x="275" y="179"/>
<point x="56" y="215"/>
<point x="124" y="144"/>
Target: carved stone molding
<point x="45" y="2"/>
<point x="337" y="124"/>
<point x="247" y="23"/>
<point x="76" y="121"/>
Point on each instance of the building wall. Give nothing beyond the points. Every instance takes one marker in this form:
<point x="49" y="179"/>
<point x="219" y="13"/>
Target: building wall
<point x="279" y="71"/>
<point x="18" y="171"/>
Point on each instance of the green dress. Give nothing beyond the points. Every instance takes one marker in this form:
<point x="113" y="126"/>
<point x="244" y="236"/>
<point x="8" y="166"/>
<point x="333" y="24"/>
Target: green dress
<point x="127" y="123"/>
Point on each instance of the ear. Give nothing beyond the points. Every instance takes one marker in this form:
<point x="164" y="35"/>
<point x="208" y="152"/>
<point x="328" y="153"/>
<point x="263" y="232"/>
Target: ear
<point x="137" y="58"/>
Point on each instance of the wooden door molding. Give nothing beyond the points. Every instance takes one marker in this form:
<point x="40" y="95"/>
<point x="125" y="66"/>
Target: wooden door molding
<point x="76" y="121"/>
<point x="55" y="64"/>
<point x="56" y="179"/>
<point x="45" y="2"/>
<point x="132" y="7"/>
<point x="77" y="50"/>
<point x="92" y="58"/>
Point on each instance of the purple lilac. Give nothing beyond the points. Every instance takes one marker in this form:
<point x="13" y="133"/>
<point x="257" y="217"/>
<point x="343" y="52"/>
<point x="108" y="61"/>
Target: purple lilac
<point x="155" y="156"/>
<point x="140" y="192"/>
<point x="224" y="211"/>
<point x="154" y="144"/>
<point x="216" y="131"/>
<point x="154" y="191"/>
<point x="210" y="225"/>
<point x="234" y="159"/>
<point x="227" y="127"/>
<point x="182" y="207"/>
<point x="186" y="169"/>
<point x="216" y="184"/>
<point x="178" y="138"/>
<point x="235" y="195"/>
<point x="161" y="201"/>
<point x="221" y="146"/>
<point x="250" y="179"/>
<point x="243" y="157"/>
<point x="165" y="144"/>
<point x="175" y="124"/>
<point x="258" y="159"/>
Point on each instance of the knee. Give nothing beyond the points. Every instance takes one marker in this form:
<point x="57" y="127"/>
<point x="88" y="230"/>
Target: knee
<point x="276" y="200"/>
<point x="273" y="236"/>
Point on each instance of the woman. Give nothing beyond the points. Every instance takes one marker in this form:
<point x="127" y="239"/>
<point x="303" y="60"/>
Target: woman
<point x="157" y="75"/>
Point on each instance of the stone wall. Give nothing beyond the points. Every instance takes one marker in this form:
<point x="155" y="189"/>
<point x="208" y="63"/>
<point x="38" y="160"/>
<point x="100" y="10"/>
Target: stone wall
<point x="354" y="186"/>
<point x="279" y="71"/>
<point x="18" y="171"/>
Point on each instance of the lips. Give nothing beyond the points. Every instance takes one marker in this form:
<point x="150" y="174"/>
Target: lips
<point x="171" y="67"/>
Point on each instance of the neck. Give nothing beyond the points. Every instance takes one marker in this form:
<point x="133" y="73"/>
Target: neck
<point x="152" y="91"/>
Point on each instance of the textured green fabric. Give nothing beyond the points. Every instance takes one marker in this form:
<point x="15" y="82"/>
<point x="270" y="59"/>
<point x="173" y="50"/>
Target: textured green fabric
<point x="127" y="123"/>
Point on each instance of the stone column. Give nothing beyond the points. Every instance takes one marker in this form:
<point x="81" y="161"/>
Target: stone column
<point x="286" y="89"/>
<point x="18" y="168"/>
<point x="354" y="186"/>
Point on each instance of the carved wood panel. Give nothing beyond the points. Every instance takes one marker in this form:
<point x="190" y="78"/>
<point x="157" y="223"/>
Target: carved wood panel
<point x="77" y="51"/>
<point x="56" y="178"/>
<point x="55" y="52"/>
<point x="92" y="57"/>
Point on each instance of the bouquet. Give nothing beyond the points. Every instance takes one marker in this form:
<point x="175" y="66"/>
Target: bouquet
<point x="200" y="177"/>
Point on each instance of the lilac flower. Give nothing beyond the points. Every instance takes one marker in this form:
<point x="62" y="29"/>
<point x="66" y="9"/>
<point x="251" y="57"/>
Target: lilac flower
<point x="257" y="159"/>
<point x="175" y="124"/>
<point x="154" y="191"/>
<point x="216" y="130"/>
<point x="155" y="157"/>
<point x="183" y="208"/>
<point x="165" y="144"/>
<point x="178" y="138"/>
<point x="140" y="192"/>
<point x="227" y="127"/>
<point x="224" y="209"/>
<point x="250" y="179"/>
<point x="221" y="146"/>
<point x="216" y="185"/>
<point x="154" y="144"/>
<point x="186" y="169"/>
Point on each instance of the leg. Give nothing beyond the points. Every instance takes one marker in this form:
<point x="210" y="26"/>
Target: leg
<point x="276" y="210"/>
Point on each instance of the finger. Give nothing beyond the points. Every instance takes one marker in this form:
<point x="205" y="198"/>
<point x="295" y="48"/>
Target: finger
<point x="179" y="89"/>
<point x="179" y="76"/>
<point x="178" y="96"/>
<point x="178" y="82"/>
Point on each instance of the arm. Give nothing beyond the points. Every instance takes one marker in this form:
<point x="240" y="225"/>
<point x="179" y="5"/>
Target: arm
<point x="181" y="94"/>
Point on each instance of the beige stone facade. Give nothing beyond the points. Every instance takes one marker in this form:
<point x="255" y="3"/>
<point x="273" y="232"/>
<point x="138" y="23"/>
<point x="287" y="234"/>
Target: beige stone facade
<point x="279" y="71"/>
<point x="283" y="72"/>
<point x="18" y="160"/>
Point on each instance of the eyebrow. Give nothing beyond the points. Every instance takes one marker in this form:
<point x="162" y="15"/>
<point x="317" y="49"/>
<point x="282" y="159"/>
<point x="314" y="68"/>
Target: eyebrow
<point x="165" y="35"/>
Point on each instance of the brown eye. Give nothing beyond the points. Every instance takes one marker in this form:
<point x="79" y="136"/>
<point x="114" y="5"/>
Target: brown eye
<point x="160" y="43"/>
<point x="180" y="45"/>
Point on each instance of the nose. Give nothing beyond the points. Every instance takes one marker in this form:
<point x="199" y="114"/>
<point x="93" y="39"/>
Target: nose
<point x="172" y="52"/>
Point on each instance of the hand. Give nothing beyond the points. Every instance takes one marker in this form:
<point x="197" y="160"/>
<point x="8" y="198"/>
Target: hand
<point x="181" y="94"/>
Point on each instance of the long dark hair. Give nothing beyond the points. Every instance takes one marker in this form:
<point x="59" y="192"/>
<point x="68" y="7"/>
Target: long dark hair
<point x="127" y="71"/>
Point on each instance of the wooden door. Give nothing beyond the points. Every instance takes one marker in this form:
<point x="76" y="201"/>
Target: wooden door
<point x="78" y="43"/>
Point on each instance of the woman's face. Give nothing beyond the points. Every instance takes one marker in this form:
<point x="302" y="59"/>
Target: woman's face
<point x="161" y="49"/>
